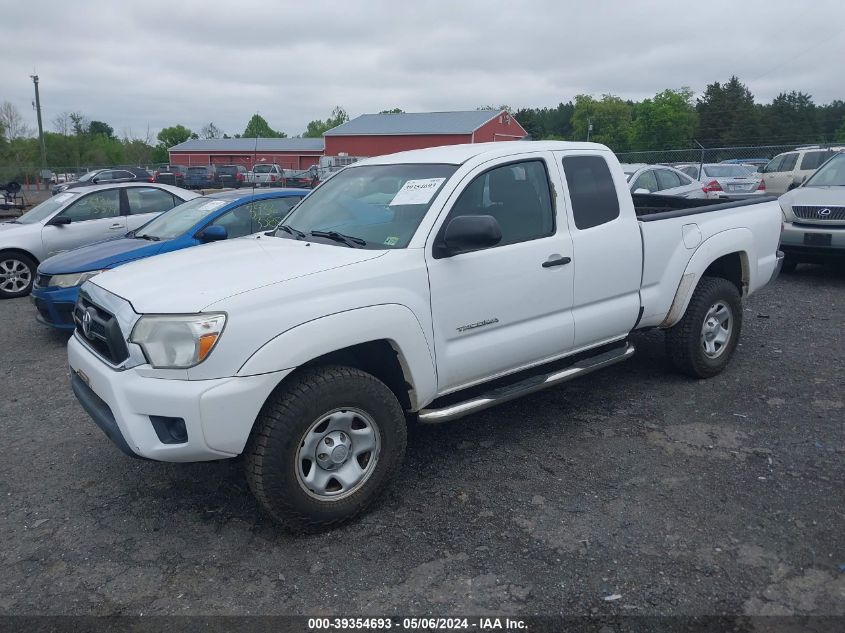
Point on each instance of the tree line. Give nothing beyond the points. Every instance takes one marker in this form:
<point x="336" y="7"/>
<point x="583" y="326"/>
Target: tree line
<point x="724" y="115"/>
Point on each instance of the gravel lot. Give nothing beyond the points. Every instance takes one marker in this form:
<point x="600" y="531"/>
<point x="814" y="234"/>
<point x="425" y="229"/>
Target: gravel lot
<point x="682" y="497"/>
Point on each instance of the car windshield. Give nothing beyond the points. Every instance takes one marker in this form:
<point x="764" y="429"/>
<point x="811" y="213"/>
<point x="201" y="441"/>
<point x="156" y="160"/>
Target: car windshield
<point x="197" y="170"/>
<point x="88" y="176"/>
<point x="46" y="208"/>
<point x="175" y="222"/>
<point x="262" y="169"/>
<point x="381" y="204"/>
<point x="726" y="171"/>
<point x="831" y="174"/>
<point x="227" y="170"/>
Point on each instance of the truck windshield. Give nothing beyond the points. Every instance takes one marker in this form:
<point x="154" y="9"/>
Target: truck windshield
<point x="831" y="174"/>
<point x="46" y="208"/>
<point x="380" y="204"/>
<point x="175" y="222"/>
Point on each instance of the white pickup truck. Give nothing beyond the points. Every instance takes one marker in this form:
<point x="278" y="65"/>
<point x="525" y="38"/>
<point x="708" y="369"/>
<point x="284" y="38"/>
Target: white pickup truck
<point x="266" y="176"/>
<point x="423" y="285"/>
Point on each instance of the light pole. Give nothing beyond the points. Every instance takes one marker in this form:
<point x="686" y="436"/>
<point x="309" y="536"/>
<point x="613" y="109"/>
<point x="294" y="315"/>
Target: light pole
<point x="589" y="128"/>
<point x="40" y="126"/>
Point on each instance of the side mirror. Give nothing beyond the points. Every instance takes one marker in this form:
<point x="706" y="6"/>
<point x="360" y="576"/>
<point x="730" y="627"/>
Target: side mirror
<point x="641" y="190"/>
<point x="59" y="220"/>
<point x="213" y="233"/>
<point x="470" y="233"/>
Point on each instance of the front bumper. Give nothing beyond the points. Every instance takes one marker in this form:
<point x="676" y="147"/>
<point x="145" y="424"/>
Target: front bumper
<point x="795" y="243"/>
<point x="55" y="306"/>
<point x="218" y="414"/>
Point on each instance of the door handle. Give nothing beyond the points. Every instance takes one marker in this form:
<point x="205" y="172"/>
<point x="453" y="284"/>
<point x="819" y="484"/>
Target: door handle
<point x="560" y="261"/>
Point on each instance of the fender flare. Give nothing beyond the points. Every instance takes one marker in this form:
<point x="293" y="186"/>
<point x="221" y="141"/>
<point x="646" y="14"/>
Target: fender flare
<point x="393" y="322"/>
<point x="737" y="240"/>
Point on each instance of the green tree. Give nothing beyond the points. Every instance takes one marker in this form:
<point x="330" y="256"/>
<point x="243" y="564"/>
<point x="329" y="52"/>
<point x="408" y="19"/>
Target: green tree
<point x="791" y="117"/>
<point x="727" y="115"/>
<point x="667" y="121"/>
<point x="840" y="133"/>
<point x="611" y="119"/>
<point x="170" y="136"/>
<point x="317" y="128"/>
<point x="211" y="131"/>
<point x="259" y="128"/>
<point x="98" y="127"/>
<point x="831" y="116"/>
<point x="547" y="123"/>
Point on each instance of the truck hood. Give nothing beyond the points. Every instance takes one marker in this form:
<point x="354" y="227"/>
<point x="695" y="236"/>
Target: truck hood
<point x="100" y="255"/>
<point x="189" y="280"/>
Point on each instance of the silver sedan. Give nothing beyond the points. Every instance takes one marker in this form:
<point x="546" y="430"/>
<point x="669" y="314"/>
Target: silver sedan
<point x="75" y="218"/>
<point x="663" y="180"/>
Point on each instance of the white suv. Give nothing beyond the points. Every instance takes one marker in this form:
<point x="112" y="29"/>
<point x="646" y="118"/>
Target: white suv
<point x="788" y="170"/>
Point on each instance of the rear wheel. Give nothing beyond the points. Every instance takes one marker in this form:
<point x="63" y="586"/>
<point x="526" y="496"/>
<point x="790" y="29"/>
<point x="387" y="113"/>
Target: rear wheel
<point x="324" y="447"/>
<point x="702" y="342"/>
<point x="17" y="273"/>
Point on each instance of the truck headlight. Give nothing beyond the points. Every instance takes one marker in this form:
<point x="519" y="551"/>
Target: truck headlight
<point x="178" y="341"/>
<point x="73" y="279"/>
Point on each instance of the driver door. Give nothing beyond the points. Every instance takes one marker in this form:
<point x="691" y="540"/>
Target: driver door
<point x="94" y="217"/>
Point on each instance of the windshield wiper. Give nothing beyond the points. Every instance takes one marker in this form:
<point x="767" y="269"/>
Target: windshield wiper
<point x="349" y="240"/>
<point x="151" y="238"/>
<point x="287" y="228"/>
<point x="13" y="222"/>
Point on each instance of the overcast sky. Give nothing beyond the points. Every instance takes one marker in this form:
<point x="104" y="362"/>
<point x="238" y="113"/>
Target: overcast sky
<point x="156" y="63"/>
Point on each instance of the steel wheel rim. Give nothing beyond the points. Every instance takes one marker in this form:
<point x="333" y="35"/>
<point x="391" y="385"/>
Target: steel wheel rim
<point x="14" y="275"/>
<point x="716" y="329"/>
<point x="337" y="454"/>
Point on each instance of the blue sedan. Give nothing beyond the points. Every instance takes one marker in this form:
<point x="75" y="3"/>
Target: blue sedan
<point x="205" y="219"/>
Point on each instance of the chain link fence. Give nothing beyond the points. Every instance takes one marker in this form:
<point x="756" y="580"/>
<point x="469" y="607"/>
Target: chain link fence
<point x="749" y="154"/>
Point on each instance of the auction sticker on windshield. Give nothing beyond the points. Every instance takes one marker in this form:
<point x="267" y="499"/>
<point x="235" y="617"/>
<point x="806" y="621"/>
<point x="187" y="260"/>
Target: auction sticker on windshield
<point x="417" y="191"/>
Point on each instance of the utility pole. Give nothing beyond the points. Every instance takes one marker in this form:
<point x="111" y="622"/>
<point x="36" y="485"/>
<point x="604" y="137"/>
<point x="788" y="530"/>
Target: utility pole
<point x="589" y="127"/>
<point x="40" y="126"/>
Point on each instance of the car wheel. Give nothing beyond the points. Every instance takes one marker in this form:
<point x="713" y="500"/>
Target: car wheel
<point x="324" y="447"/>
<point x="702" y="342"/>
<point x="17" y="274"/>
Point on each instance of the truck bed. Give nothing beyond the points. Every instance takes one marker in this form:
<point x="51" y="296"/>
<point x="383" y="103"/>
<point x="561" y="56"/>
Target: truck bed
<point x="650" y="207"/>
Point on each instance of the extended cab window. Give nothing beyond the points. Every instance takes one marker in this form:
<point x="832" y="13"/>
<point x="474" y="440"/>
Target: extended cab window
<point x="591" y="191"/>
<point x="95" y="206"/>
<point x="517" y="195"/>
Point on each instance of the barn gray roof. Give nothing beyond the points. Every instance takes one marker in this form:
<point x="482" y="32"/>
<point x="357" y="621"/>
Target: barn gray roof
<point x="249" y="145"/>
<point x="464" y="122"/>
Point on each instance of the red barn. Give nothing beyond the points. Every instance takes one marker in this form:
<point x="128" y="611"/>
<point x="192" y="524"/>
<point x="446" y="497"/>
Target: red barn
<point x="376" y="134"/>
<point x="289" y="153"/>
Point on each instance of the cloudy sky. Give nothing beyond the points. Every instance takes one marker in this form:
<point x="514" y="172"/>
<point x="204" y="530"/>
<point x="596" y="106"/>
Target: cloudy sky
<point x="156" y="63"/>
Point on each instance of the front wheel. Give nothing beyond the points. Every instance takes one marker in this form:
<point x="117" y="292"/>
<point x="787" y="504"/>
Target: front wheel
<point x="702" y="342"/>
<point x="17" y="273"/>
<point x="324" y="446"/>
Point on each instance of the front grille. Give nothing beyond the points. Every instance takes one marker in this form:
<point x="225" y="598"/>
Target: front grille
<point x="819" y="213"/>
<point x="43" y="281"/>
<point x="103" y="331"/>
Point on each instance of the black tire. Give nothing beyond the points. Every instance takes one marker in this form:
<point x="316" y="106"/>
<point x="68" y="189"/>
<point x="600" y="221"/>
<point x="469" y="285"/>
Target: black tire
<point x="281" y="427"/>
<point x="789" y="265"/>
<point x="684" y="345"/>
<point x="14" y="268"/>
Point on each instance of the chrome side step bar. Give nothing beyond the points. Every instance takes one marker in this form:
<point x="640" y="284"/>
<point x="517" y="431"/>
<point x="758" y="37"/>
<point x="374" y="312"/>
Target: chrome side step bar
<point x="525" y="387"/>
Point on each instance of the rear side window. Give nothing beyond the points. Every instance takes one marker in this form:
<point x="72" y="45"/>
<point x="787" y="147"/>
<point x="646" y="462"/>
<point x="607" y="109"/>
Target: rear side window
<point x="148" y="200"/>
<point x="774" y="164"/>
<point x="812" y="160"/>
<point x="646" y="180"/>
<point x="591" y="191"/>
<point x="789" y="161"/>
<point x="668" y="179"/>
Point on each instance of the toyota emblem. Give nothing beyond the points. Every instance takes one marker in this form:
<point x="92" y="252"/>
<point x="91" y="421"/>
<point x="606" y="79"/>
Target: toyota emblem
<point x="86" y="323"/>
<point x="824" y="213"/>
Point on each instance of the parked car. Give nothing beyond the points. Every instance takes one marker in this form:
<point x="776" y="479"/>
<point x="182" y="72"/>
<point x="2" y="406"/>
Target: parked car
<point x="72" y="219"/>
<point x="211" y="218"/>
<point x="788" y="170"/>
<point x="231" y="176"/>
<point x="266" y="176"/>
<point x="662" y="180"/>
<point x="754" y="165"/>
<point x="105" y="177"/>
<point x="814" y="216"/>
<point x="726" y="181"/>
<point x="171" y="175"/>
<point x="306" y="178"/>
<point x="432" y="283"/>
<point x="200" y="177"/>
